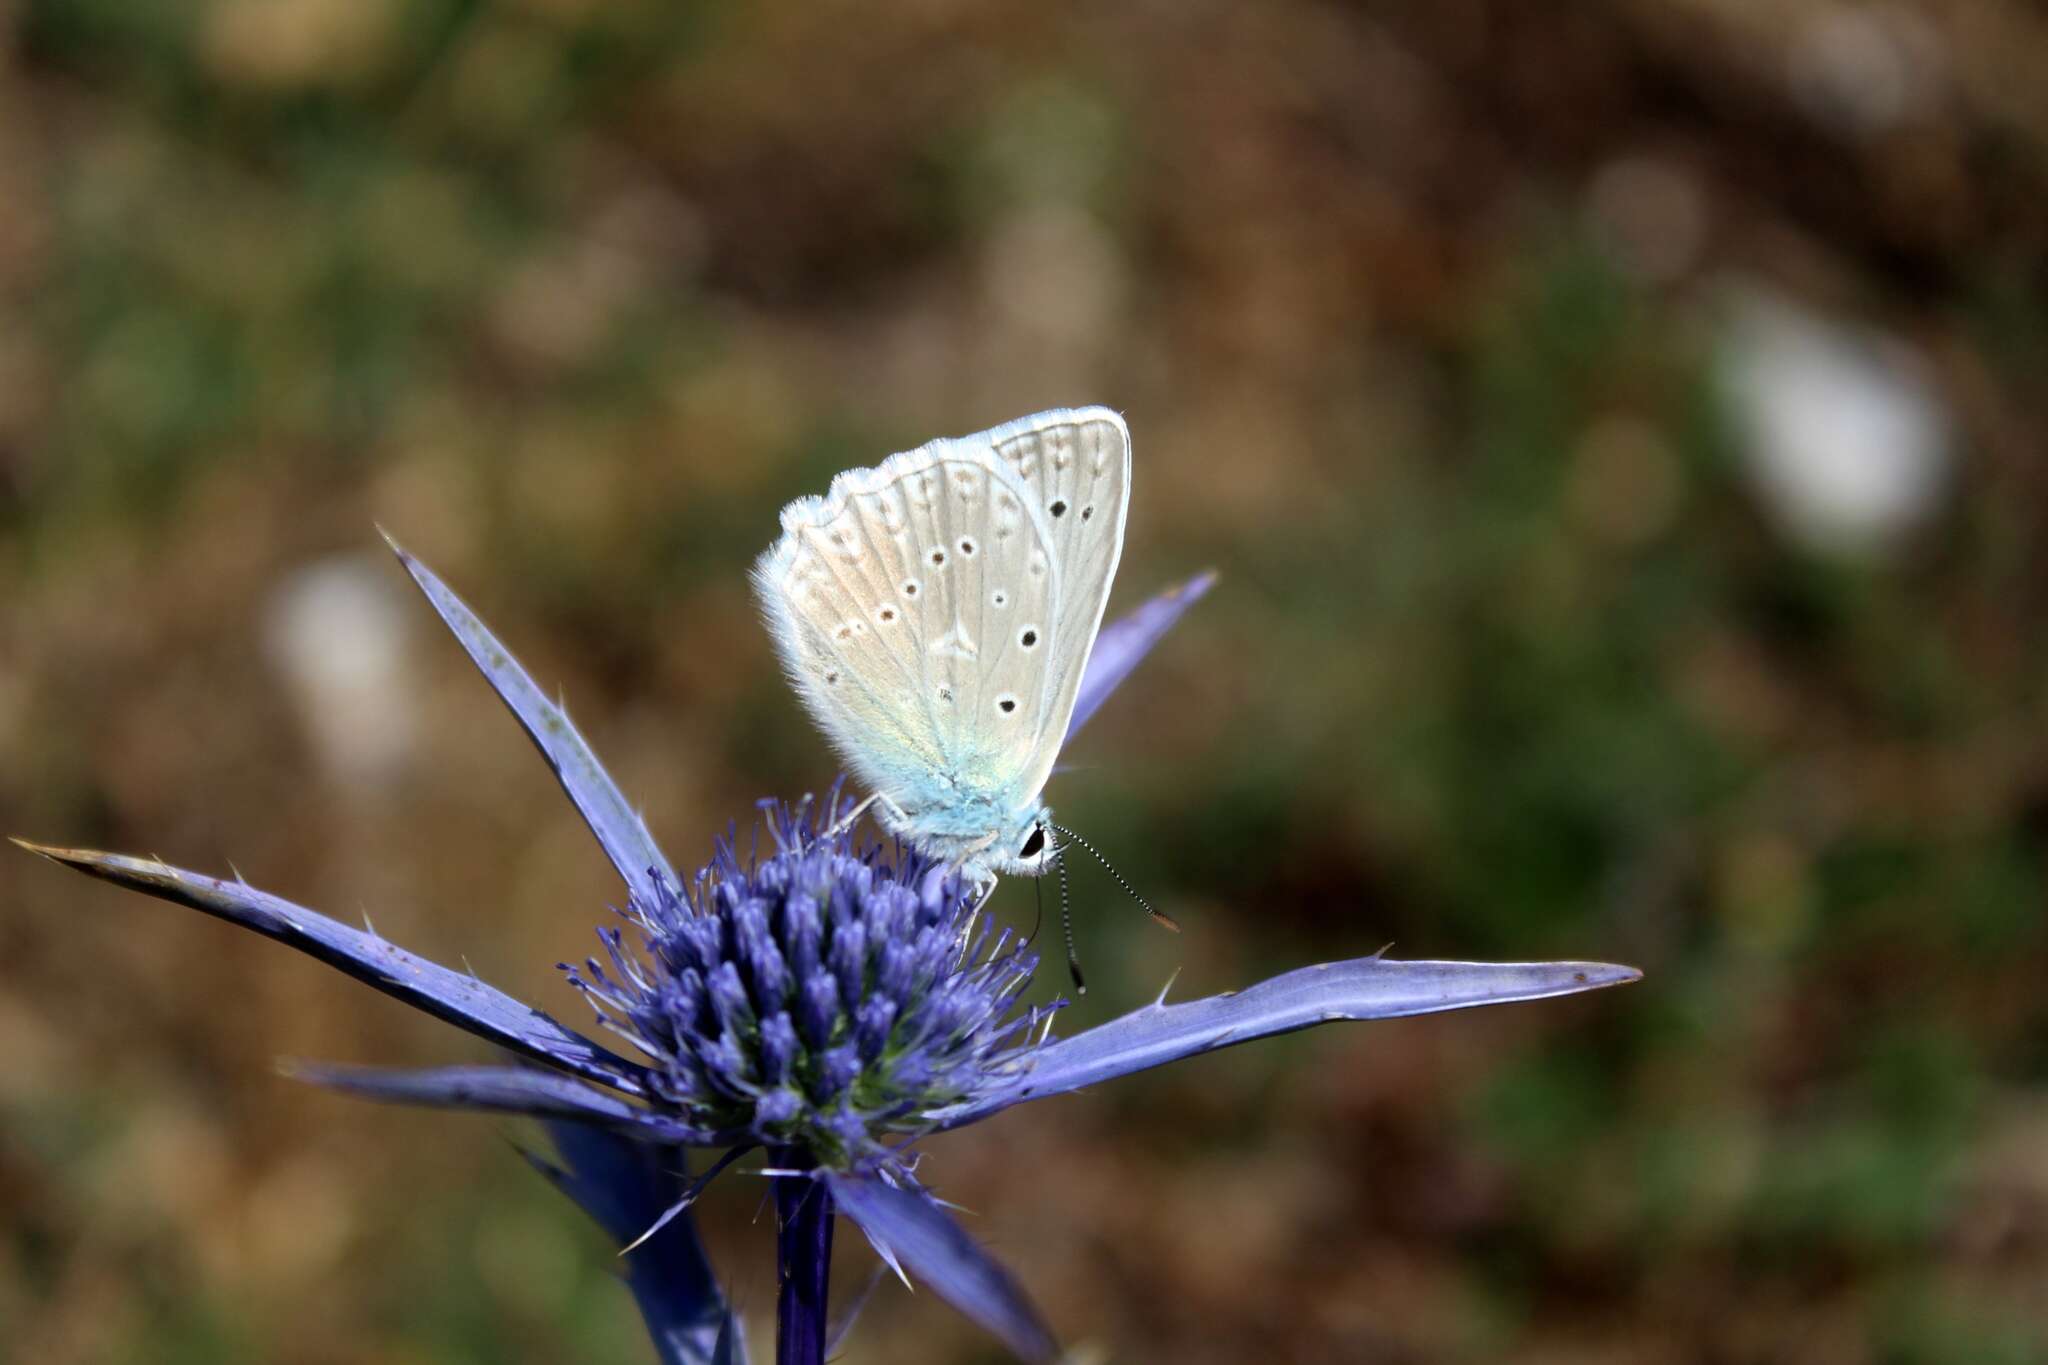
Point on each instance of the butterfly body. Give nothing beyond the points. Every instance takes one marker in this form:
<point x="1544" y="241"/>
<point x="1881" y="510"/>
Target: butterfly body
<point x="936" y="612"/>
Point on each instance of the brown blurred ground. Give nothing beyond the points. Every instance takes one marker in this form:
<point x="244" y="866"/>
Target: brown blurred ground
<point x="1423" y="316"/>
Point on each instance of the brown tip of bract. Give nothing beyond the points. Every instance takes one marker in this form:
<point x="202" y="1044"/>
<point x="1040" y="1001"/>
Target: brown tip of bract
<point x="54" y="854"/>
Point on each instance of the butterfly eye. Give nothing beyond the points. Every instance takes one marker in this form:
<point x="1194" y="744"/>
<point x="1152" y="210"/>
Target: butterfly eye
<point x="1034" y="845"/>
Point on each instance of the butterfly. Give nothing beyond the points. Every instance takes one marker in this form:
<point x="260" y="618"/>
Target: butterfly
<point x="935" y="614"/>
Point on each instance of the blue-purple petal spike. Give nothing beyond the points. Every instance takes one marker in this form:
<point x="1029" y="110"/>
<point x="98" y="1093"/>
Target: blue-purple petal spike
<point x="625" y="1186"/>
<point x="1126" y="641"/>
<point x="459" y="998"/>
<point x="837" y="1069"/>
<point x="618" y="826"/>
<point x="1363" y="988"/>
<point x="729" y="1002"/>
<point x="779" y="1048"/>
<point x="877" y="1015"/>
<point x="505" y="1090"/>
<point x="913" y="1233"/>
<point x="818" y="1007"/>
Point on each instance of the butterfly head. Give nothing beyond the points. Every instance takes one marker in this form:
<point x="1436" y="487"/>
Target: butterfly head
<point x="1027" y="847"/>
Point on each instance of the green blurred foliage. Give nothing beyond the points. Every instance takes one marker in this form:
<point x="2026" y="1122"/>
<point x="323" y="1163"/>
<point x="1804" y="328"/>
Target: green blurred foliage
<point x="1419" y="313"/>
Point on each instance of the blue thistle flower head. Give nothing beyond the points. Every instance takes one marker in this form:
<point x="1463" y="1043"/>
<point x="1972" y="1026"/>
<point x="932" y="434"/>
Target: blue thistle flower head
<point x="832" y="1000"/>
<point x="828" y="997"/>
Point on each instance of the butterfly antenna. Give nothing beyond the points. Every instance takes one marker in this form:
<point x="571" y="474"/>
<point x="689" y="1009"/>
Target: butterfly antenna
<point x="1165" y="921"/>
<point x="1067" y="923"/>
<point x="1038" y="920"/>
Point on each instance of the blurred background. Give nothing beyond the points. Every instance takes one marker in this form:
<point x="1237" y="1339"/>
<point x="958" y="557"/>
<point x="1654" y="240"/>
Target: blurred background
<point x="1619" y="426"/>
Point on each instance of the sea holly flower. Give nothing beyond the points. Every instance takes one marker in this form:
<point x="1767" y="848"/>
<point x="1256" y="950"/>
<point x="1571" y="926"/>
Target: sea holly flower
<point x="824" y="1003"/>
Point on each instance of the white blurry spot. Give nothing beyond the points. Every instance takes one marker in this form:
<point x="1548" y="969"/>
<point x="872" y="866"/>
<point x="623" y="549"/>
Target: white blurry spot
<point x="1862" y="69"/>
<point x="1840" y="427"/>
<point x="1649" y="214"/>
<point x="339" y="633"/>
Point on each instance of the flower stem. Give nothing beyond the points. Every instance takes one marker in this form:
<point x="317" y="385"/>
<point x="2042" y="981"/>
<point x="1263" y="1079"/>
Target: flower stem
<point x="803" y="1268"/>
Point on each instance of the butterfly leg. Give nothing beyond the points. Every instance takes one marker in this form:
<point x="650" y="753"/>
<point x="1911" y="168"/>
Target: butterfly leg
<point x="984" y="887"/>
<point x="852" y="817"/>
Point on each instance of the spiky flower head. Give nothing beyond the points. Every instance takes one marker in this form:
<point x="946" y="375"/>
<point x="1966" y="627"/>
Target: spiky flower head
<point x="832" y="999"/>
<point x="827" y="997"/>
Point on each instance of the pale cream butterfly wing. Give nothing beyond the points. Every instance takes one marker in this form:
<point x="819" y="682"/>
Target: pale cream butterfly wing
<point x="918" y="608"/>
<point x="1077" y="463"/>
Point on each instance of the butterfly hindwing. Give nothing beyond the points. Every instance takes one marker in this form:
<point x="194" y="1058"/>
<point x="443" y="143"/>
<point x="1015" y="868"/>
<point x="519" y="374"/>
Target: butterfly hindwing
<point x="820" y="585"/>
<point x="915" y="608"/>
